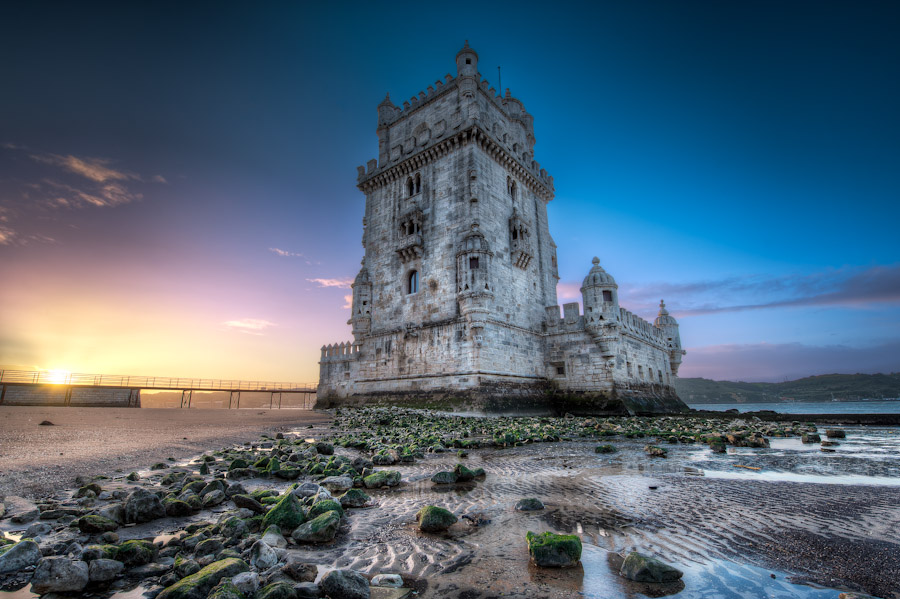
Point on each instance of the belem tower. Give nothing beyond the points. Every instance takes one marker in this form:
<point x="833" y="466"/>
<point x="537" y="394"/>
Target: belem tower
<point x="455" y="302"/>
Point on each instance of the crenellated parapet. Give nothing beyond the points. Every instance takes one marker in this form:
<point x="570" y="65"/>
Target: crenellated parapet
<point x="340" y="352"/>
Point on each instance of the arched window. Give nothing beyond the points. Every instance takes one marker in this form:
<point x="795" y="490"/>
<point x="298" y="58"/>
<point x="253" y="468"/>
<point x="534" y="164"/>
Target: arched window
<point x="410" y="189"/>
<point x="413" y="282"/>
<point x="418" y="183"/>
<point x="607" y="295"/>
<point x="511" y="187"/>
<point x="473" y="262"/>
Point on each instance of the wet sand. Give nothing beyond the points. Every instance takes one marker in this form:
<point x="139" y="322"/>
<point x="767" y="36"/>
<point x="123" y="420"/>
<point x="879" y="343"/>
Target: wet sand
<point x="37" y="460"/>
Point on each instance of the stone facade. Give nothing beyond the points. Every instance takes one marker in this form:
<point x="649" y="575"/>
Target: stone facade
<point x="451" y="301"/>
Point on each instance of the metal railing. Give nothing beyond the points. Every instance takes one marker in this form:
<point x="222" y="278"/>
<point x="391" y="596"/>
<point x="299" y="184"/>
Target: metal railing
<point x="49" y="377"/>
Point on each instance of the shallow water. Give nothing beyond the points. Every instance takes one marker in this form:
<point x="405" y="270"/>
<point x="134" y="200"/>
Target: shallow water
<point x="817" y="407"/>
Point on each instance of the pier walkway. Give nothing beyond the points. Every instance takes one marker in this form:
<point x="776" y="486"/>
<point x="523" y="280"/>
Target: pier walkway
<point x="34" y="384"/>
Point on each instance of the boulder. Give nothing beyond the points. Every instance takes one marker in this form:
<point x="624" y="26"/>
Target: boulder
<point x="435" y="519"/>
<point x="529" y="504"/>
<point x="21" y="555"/>
<point x="287" y="514"/>
<point x="337" y="484"/>
<point x="247" y="583"/>
<point x="300" y="571"/>
<point x="226" y="589"/>
<point x="345" y="584"/>
<point x="307" y="590"/>
<point x="444" y="477"/>
<point x="550" y="550"/>
<point x="656" y="452"/>
<point x="136" y="552"/>
<point x="20" y="510"/>
<point x="104" y="570"/>
<point x="209" y="546"/>
<point x="354" y="498"/>
<point x="273" y="537"/>
<point x="643" y="568"/>
<point x="36" y="529"/>
<point x="59" y="575"/>
<point x="177" y="508"/>
<point x="318" y="530"/>
<point x="198" y="586"/>
<point x="247" y="502"/>
<point x="463" y="474"/>
<point x="327" y="505"/>
<point x="277" y="590"/>
<point x="262" y="557"/>
<point x="382" y="478"/>
<point x="95" y="524"/>
<point x="387" y="580"/>
<point x="143" y="506"/>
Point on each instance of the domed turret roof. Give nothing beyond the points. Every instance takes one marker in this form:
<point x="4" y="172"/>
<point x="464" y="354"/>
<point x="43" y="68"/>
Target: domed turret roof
<point x="663" y="318"/>
<point x="362" y="276"/>
<point x="467" y="49"/>
<point x="597" y="277"/>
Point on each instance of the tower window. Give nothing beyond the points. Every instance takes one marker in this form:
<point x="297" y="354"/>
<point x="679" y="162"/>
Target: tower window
<point x="561" y="370"/>
<point x="413" y="282"/>
<point x="511" y="187"/>
<point x="468" y="61"/>
<point x="410" y="188"/>
<point x="418" y="183"/>
<point x="473" y="263"/>
<point x="607" y="295"/>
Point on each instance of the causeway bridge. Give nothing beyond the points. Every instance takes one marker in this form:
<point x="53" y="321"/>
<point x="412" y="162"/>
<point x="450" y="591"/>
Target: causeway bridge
<point x="54" y="388"/>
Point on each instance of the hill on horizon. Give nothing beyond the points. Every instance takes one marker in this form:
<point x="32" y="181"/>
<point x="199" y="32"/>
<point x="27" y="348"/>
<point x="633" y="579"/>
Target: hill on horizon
<point x="825" y="387"/>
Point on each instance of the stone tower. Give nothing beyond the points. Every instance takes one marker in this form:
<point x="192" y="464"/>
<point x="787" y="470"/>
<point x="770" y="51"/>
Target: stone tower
<point x="459" y="267"/>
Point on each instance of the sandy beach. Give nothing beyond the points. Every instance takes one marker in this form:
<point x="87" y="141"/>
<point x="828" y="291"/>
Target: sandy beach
<point x="36" y="460"/>
<point x="788" y="521"/>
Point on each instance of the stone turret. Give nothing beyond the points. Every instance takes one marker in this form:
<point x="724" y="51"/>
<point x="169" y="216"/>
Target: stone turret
<point x="600" y="296"/>
<point x="473" y="281"/>
<point x="361" y="320"/>
<point x="387" y="113"/>
<point x="669" y="326"/>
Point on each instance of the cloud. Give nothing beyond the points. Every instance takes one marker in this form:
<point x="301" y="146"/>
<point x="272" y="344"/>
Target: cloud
<point x="770" y="362"/>
<point x="95" y="169"/>
<point x="286" y="254"/>
<point x="250" y="326"/>
<point x="339" y="283"/>
<point x="348" y="301"/>
<point x="51" y="182"/>
<point x="848" y="287"/>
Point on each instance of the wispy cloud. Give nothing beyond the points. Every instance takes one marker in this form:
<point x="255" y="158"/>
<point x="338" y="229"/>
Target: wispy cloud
<point x="339" y="283"/>
<point x="286" y="254"/>
<point x="849" y="287"/>
<point x="60" y="182"/>
<point x="777" y="362"/>
<point x="348" y="301"/>
<point x="250" y="326"/>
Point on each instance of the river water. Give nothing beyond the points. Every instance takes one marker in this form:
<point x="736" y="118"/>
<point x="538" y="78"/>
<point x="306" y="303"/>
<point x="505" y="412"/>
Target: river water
<point x="819" y="407"/>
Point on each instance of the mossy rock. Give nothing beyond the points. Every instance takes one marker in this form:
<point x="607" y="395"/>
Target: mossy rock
<point x="225" y="590"/>
<point x="287" y="514"/>
<point x="273" y="466"/>
<point x="184" y="566"/>
<point x="92" y="552"/>
<point x="318" y="530"/>
<point x="238" y="463"/>
<point x="435" y="519"/>
<point x="463" y="474"/>
<point x="92" y="487"/>
<point x="177" y="508"/>
<point x="643" y="568"/>
<point x="198" y="586"/>
<point x="444" y="477"/>
<point x="549" y="550"/>
<point x="93" y="523"/>
<point x="136" y="552"/>
<point x="605" y="449"/>
<point x="133" y="476"/>
<point x="354" y="498"/>
<point x="288" y="473"/>
<point x="261" y="463"/>
<point x="382" y="478"/>
<point x="326" y="505"/>
<point x="276" y="590"/>
<point x="529" y="504"/>
<point x="655" y="451"/>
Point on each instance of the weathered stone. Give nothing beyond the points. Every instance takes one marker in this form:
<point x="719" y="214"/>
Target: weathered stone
<point x="197" y="586"/>
<point x="444" y="478"/>
<point x="337" y="484"/>
<point x="247" y="583"/>
<point x="185" y="567"/>
<point x="287" y="514"/>
<point x="307" y="590"/>
<point x="318" y="530"/>
<point x="36" y="529"/>
<point x="277" y="590"/>
<point x="59" y="575"/>
<point x="92" y="552"/>
<point x="387" y="580"/>
<point x="262" y="557"/>
<point x="226" y="589"/>
<point x="209" y="546"/>
<point x="300" y="571"/>
<point x="247" y="502"/>
<point x="345" y="584"/>
<point x="550" y="550"/>
<point x="354" y="498"/>
<point x="382" y="478"/>
<point x="176" y="508"/>
<point x="213" y="498"/>
<point x="136" y="552"/>
<point x="143" y="506"/>
<point x="20" y="510"/>
<point x="529" y="504"/>
<point x="273" y="537"/>
<point x="435" y="519"/>
<point x="643" y="568"/>
<point x="326" y="505"/>
<point x="104" y="570"/>
<point x="94" y="524"/>
<point x="21" y="555"/>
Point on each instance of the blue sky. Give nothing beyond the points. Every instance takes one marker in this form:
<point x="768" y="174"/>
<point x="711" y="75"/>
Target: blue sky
<point x="177" y="182"/>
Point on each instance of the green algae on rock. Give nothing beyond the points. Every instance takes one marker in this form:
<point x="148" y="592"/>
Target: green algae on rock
<point x="287" y="514"/>
<point x="550" y="550"/>
<point x="435" y="519"/>
<point x="643" y="568"/>
<point x="198" y="586"/>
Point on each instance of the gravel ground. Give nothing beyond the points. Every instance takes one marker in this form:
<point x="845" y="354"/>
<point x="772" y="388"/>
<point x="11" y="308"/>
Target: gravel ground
<point x="37" y="460"/>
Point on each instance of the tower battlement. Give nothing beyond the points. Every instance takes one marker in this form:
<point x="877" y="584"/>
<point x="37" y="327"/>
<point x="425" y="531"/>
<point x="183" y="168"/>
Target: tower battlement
<point x="456" y="293"/>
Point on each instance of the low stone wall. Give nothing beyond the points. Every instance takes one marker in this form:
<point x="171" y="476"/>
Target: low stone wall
<point x="55" y="395"/>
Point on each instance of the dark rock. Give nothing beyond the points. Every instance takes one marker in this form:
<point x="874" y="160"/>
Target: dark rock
<point x="198" y="586"/>
<point x="551" y="550"/>
<point x="21" y="555"/>
<point x="277" y="590"/>
<point x="95" y="524"/>
<point x="104" y="570"/>
<point x="59" y="575"/>
<point x="435" y="519"/>
<point x="529" y="504"/>
<point x="354" y="498"/>
<point x="345" y="584"/>
<point x="287" y="514"/>
<point x="226" y="589"/>
<point x="318" y="530"/>
<point x="642" y="568"/>
<point x="300" y="571"/>
<point x="143" y="506"/>
<point x="444" y="477"/>
<point x="247" y="502"/>
<point x="136" y="552"/>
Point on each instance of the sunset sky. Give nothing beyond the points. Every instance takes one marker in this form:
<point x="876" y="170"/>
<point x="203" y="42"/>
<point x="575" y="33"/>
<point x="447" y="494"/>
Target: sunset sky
<point x="177" y="180"/>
